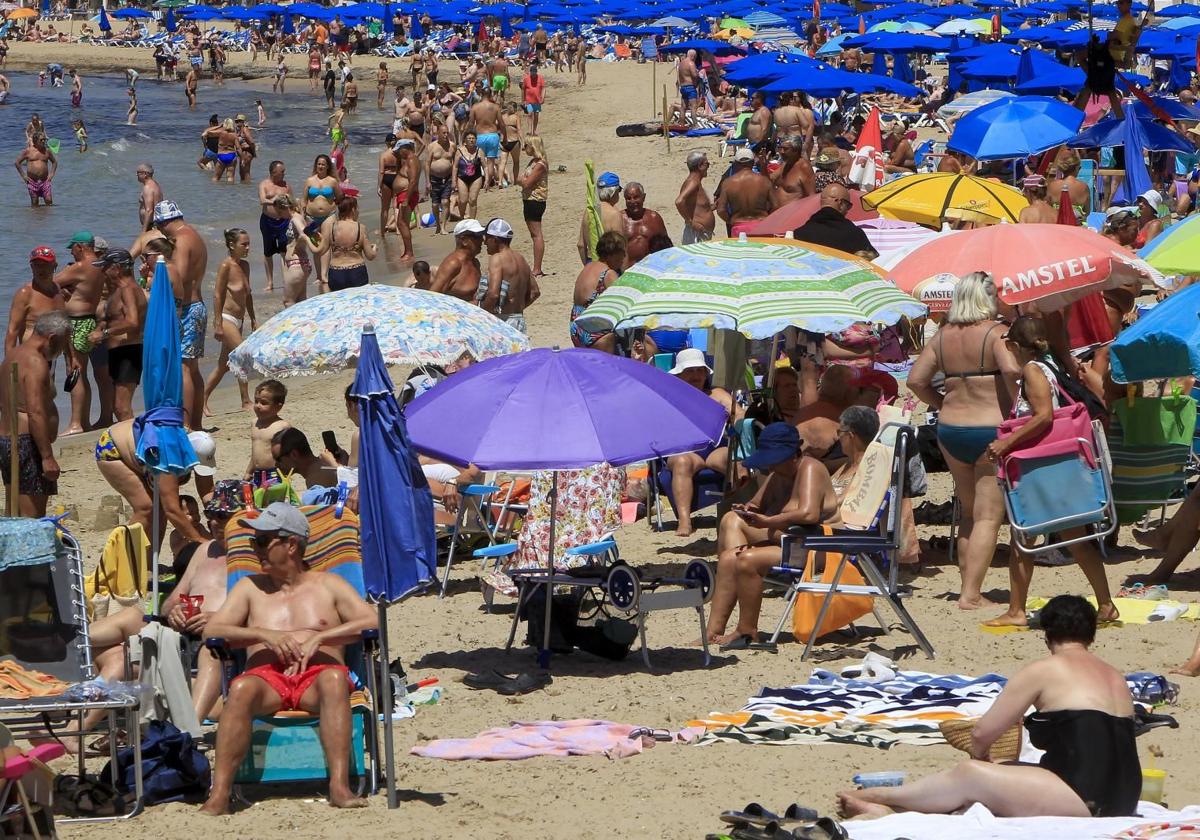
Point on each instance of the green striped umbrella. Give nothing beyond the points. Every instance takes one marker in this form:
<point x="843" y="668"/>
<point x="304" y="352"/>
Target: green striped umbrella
<point x="755" y="286"/>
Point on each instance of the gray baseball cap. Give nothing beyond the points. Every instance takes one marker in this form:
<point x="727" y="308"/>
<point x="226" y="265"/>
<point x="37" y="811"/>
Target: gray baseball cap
<point x="281" y="517"/>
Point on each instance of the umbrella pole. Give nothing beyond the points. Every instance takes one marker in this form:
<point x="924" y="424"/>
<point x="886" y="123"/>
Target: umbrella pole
<point x="544" y="653"/>
<point x="14" y="466"/>
<point x="389" y="702"/>
<point x="154" y="515"/>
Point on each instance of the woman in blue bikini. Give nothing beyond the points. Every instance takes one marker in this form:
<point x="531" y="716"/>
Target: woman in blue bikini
<point x="318" y="201"/>
<point x="980" y="385"/>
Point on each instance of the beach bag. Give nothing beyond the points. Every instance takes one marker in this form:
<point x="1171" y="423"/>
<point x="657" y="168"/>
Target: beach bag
<point x="843" y="609"/>
<point x="119" y="580"/>
<point x="281" y="492"/>
<point x="173" y="770"/>
<point x="1157" y="421"/>
<point x="1070" y="421"/>
<point x="1079" y="392"/>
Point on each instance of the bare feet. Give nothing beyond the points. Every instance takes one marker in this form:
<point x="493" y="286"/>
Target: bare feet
<point x="1008" y="619"/>
<point x="1186" y="671"/>
<point x="977" y="603"/>
<point x="1107" y="613"/>
<point x="246" y="406"/>
<point x="1153" y="579"/>
<point x="345" y="799"/>
<point x="849" y="804"/>
<point x="208" y="412"/>
<point x="268" y="288"/>
<point x="71" y="430"/>
<point x="683" y="530"/>
<point x="216" y="806"/>
<point x="1150" y="539"/>
<point x="724" y="638"/>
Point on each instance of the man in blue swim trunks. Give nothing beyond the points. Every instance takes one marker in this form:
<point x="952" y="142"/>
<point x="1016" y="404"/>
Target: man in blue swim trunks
<point x="490" y="130"/>
<point x="688" y="81"/>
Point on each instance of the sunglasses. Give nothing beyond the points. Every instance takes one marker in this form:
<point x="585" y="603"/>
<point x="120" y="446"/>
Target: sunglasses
<point x="264" y="540"/>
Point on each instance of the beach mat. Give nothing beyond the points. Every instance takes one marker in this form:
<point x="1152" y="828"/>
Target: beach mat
<point x="1132" y="610"/>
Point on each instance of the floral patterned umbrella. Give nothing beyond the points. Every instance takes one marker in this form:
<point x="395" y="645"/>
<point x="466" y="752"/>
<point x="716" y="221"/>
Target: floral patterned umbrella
<point x="413" y="327"/>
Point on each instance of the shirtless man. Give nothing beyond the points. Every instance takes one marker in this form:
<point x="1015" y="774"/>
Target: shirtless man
<point x="458" y="275"/>
<point x="691" y="367"/>
<point x="688" y="81"/>
<point x="902" y="159"/>
<point x="39" y="164"/>
<point x="498" y="73"/>
<point x="509" y="286"/>
<point x="1068" y="167"/>
<point x="37" y="297"/>
<point x="293" y="454"/>
<point x="639" y="225"/>
<point x="150" y="195"/>
<point x="76" y="88"/>
<point x="190" y="83"/>
<point x="186" y="267"/>
<point x="120" y="329"/>
<point x="295" y="625"/>
<point x="694" y="203"/>
<point x="608" y="191"/>
<point x="795" y="178"/>
<point x="1039" y="210"/>
<point x="273" y="221"/>
<point x="83" y="283"/>
<point x="797" y="491"/>
<point x="758" y="127"/>
<point x="37" y="417"/>
<point x="490" y="130"/>
<point x="441" y="177"/>
<point x="744" y="196"/>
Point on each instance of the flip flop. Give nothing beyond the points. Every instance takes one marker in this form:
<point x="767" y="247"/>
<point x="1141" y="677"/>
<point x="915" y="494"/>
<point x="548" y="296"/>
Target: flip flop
<point x="752" y="814"/>
<point x="770" y="831"/>
<point x="740" y="643"/>
<point x="488" y="679"/>
<point x="825" y="828"/>
<point x="798" y="813"/>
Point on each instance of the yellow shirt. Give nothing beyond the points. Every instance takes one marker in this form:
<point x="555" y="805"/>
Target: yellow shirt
<point x="1121" y="39"/>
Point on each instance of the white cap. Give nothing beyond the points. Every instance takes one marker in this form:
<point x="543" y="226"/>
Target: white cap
<point x="1153" y="198"/>
<point x="1118" y="209"/>
<point x="402" y="142"/>
<point x="688" y="359"/>
<point x="500" y="229"/>
<point x="280" y="517"/>
<point x="165" y="211"/>
<point x="206" y="453"/>
<point x="468" y="226"/>
<point x="743" y="155"/>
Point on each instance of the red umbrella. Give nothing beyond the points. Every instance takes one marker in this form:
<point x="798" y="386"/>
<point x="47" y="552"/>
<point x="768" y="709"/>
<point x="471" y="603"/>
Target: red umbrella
<point x="1051" y="264"/>
<point x="1066" y="212"/>
<point x="869" y="158"/>
<point x="795" y="213"/>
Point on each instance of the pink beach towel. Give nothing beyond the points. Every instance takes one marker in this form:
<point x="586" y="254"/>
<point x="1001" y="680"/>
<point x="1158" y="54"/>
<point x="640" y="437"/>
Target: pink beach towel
<point x="547" y="737"/>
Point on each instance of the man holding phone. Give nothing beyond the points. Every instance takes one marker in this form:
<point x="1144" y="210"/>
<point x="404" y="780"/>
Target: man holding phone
<point x="293" y="453"/>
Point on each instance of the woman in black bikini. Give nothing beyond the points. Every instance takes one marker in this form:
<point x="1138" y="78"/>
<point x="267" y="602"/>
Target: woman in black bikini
<point x="1084" y="721"/>
<point x="468" y="176"/>
<point x="387" y="176"/>
<point x="345" y="239"/>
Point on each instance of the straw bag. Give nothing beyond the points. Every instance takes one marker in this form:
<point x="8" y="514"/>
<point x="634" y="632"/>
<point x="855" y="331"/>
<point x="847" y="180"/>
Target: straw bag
<point x="958" y="735"/>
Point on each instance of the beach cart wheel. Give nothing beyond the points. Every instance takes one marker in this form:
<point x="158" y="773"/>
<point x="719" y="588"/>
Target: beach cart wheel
<point x="700" y="573"/>
<point x="623" y="587"/>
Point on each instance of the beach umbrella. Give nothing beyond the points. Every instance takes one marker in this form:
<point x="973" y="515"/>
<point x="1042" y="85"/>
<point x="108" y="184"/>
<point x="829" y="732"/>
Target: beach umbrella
<point x="672" y="22"/>
<point x="1016" y="127"/>
<point x="1137" y="136"/>
<point x="968" y="102"/>
<point x="389" y="19"/>
<point x="924" y="199"/>
<point x="733" y="23"/>
<point x="552" y="409"/>
<point x="891" y="236"/>
<point x="1177" y="249"/>
<point x="170" y="21"/>
<point x="415" y="31"/>
<point x="506" y="30"/>
<point x="122" y="14"/>
<point x="1163" y="343"/>
<point x="758" y="287"/>
<point x="22" y="14"/>
<point x="104" y="25"/>
<point x="46" y="8"/>
<point x="162" y="441"/>
<point x="412" y="326"/>
<point x="1049" y="263"/>
<point x="289" y="25"/>
<point x="795" y="213"/>
<point x="395" y="510"/>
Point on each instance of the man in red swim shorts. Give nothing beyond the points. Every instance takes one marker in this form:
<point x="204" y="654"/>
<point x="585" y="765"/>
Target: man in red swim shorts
<point x="295" y="625"/>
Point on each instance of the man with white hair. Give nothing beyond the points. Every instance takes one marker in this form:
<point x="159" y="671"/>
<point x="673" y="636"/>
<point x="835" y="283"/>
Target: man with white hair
<point x="688" y="81"/>
<point x="694" y="203"/>
<point x="608" y="190"/>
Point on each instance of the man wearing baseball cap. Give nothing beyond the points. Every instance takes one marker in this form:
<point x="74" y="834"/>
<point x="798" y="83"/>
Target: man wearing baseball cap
<point x="84" y="282"/>
<point x="744" y="196"/>
<point x="38" y="296"/>
<point x="608" y="191"/>
<point x="797" y="491"/>
<point x="509" y="285"/>
<point x="458" y="275"/>
<point x="691" y="367"/>
<point x="121" y="329"/>
<point x="291" y="664"/>
<point x="1121" y="225"/>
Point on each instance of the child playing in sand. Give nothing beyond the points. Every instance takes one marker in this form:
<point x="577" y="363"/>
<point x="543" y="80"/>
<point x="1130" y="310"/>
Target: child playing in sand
<point x="81" y="138"/>
<point x="269" y="397"/>
<point x="262" y="113"/>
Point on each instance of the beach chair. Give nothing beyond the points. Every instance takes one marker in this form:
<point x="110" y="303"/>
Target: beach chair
<point x="1032" y="482"/>
<point x="44" y="631"/>
<point x="1087" y="174"/>
<point x="871" y="540"/>
<point x="1152" y="471"/>
<point x="286" y="747"/>
<point x="487" y="511"/>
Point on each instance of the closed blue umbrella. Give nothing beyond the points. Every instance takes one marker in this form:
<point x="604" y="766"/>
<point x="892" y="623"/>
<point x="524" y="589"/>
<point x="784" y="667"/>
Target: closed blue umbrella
<point x="104" y="25"/>
<point x="1163" y="343"/>
<point x="395" y="509"/>
<point x="1016" y="127"/>
<point x="389" y="20"/>
<point x="45" y="8"/>
<point x="289" y="25"/>
<point x="162" y="441"/>
<point x="415" y="31"/>
<point x="506" y="30"/>
<point x="170" y="22"/>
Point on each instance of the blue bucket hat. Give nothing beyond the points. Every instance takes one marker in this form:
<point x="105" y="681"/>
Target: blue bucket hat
<point x="776" y="443"/>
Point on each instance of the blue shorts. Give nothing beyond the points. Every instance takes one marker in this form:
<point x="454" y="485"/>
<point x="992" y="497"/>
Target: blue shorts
<point x="209" y="154"/>
<point x="489" y="144"/>
<point x="687" y="92"/>
<point x="532" y="107"/>
<point x="193" y="324"/>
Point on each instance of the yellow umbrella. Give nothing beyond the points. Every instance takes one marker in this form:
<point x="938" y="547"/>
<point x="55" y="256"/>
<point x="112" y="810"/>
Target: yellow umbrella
<point x="21" y="14"/>
<point x="924" y="199"/>
<point x="741" y="32"/>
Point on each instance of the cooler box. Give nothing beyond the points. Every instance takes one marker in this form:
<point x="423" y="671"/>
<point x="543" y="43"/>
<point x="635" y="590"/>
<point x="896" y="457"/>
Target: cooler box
<point x="288" y="749"/>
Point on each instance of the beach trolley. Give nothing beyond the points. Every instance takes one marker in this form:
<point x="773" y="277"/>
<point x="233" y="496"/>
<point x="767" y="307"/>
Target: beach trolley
<point x="44" y="633"/>
<point x="1058" y="486"/>
<point x="615" y="587"/>
<point x="286" y="747"/>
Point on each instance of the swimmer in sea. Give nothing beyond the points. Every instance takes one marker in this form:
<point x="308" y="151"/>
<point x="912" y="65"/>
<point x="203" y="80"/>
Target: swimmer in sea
<point x="131" y="114"/>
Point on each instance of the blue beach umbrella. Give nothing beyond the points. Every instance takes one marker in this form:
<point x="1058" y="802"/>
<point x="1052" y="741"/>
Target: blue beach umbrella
<point x="506" y="30"/>
<point x="104" y="25"/>
<point x="289" y="25"/>
<point x="389" y="19"/>
<point x="1163" y="343"/>
<point x="170" y="21"/>
<point x="45" y="8"/>
<point x="395" y="510"/>
<point x="162" y="441"/>
<point x="122" y="14"/>
<point x="1017" y="127"/>
<point x="415" y="31"/>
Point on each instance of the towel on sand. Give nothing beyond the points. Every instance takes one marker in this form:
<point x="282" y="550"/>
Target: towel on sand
<point x="978" y="823"/>
<point x="545" y="737"/>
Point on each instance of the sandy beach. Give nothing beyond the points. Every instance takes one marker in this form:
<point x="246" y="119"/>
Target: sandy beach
<point x="670" y="791"/>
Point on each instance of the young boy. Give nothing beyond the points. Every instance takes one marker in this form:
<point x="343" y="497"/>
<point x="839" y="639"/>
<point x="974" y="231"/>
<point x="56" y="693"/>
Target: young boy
<point x="269" y="397"/>
<point x="262" y="113"/>
<point x="421" y="278"/>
